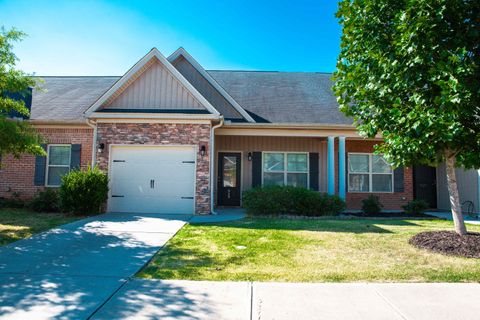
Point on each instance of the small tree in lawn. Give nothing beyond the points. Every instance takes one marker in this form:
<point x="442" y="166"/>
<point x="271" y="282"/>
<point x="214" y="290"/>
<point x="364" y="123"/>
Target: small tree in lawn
<point x="409" y="70"/>
<point x="16" y="136"/>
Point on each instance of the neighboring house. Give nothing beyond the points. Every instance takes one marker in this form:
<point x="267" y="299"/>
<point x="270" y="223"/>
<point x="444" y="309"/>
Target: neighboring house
<point x="176" y="138"/>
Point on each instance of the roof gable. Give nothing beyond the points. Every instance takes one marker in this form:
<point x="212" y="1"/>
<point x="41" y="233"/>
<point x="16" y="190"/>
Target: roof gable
<point x="207" y="86"/>
<point x="152" y="84"/>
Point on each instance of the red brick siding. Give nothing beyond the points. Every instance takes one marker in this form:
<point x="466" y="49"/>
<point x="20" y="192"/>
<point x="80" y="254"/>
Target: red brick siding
<point x="16" y="175"/>
<point x="391" y="201"/>
<point x="163" y="134"/>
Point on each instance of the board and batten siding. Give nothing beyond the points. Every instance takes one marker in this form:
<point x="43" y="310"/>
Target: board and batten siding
<point x="467" y="182"/>
<point x="247" y="144"/>
<point x="155" y="88"/>
<point x="205" y="88"/>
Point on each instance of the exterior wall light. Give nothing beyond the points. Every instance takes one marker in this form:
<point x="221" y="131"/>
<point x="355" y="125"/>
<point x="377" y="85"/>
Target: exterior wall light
<point x="101" y="147"/>
<point x="249" y="156"/>
<point x="203" y="150"/>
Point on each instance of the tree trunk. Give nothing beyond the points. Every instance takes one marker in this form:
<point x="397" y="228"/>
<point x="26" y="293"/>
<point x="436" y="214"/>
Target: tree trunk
<point x="453" y="192"/>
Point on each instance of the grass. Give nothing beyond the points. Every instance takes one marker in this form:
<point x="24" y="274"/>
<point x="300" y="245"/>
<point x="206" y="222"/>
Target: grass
<point x="16" y="224"/>
<point x="335" y="250"/>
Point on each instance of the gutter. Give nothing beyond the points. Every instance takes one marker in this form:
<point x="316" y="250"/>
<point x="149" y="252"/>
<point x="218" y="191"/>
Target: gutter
<point x="93" y="125"/>
<point x="57" y="122"/>
<point x="212" y="165"/>
<point x="291" y="126"/>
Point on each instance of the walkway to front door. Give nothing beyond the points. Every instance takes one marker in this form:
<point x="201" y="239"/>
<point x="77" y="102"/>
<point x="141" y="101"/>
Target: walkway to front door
<point x="71" y="271"/>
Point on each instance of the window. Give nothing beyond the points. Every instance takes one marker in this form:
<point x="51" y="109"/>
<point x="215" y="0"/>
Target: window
<point x="229" y="172"/>
<point x="369" y="173"/>
<point x="285" y="169"/>
<point x="58" y="163"/>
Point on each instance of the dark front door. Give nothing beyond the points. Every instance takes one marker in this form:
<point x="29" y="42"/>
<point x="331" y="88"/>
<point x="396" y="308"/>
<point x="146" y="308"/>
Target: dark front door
<point x="425" y="184"/>
<point x="229" y="164"/>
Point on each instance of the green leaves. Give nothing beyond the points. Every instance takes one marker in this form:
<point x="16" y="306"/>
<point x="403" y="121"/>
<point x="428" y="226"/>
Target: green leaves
<point x="16" y="136"/>
<point x="409" y="70"/>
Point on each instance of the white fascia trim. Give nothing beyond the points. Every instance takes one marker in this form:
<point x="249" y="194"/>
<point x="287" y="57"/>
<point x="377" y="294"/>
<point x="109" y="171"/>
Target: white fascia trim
<point x="182" y="52"/>
<point x="66" y="123"/>
<point x="153" y="53"/>
<point x="152" y="116"/>
<point x="290" y="125"/>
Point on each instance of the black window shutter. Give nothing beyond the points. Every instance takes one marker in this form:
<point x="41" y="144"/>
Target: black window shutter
<point x="75" y="156"/>
<point x="398" y="184"/>
<point x="40" y="167"/>
<point x="346" y="172"/>
<point x="256" y="169"/>
<point x="314" y="172"/>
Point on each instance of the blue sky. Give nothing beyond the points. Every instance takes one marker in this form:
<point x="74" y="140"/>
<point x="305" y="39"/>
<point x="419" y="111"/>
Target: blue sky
<point x="108" y="37"/>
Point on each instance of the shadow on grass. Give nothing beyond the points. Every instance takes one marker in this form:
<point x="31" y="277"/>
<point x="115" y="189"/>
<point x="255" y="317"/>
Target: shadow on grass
<point x="16" y="224"/>
<point x="321" y="225"/>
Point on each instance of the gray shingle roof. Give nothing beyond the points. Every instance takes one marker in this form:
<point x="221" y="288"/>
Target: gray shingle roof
<point x="66" y="98"/>
<point x="278" y="97"/>
<point x="284" y="97"/>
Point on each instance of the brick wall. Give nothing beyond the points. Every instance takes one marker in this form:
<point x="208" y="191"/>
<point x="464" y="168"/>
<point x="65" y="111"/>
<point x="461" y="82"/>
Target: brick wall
<point x="162" y="134"/>
<point x="16" y="175"/>
<point x="391" y="201"/>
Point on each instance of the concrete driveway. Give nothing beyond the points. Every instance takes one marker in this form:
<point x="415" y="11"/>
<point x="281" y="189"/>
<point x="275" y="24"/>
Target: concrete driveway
<point x="71" y="271"/>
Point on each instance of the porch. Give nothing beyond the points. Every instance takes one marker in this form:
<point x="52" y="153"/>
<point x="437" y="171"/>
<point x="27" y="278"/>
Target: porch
<point x="315" y="159"/>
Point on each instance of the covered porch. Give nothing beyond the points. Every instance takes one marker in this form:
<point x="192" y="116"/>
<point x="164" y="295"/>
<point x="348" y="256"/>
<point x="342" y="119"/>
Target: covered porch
<point x="244" y="159"/>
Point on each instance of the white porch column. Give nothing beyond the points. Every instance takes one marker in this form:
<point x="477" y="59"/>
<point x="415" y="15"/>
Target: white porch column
<point x="331" y="165"/>
<point x="341" y="168"/>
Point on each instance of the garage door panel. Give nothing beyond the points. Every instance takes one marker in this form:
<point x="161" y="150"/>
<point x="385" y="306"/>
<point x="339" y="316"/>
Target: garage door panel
<point x="163" y="205"/>
<point x="171" y="168"/>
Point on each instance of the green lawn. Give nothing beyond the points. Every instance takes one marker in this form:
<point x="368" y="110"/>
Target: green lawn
<point x="332" y="250"/>
<point x="16" y="224"/>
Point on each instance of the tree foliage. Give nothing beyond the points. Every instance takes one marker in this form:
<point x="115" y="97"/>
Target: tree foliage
<point x="410" y="71"/>
<point x="16" y="136"/>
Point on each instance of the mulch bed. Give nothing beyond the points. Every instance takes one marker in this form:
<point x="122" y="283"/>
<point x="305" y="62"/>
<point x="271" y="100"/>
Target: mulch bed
<point x="449" y="243"/>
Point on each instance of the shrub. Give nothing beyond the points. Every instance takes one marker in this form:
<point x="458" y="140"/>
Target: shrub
<point x="371" y="205"/>
<point x="13" y="202"/>
<point x="416" y="207"/>
<point x="84" y="191"/>
<point x="278" y="200"/>
<point x="46" y="201"/>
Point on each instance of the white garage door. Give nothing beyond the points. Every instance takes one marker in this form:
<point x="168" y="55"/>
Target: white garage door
<point x="152" y="179"/>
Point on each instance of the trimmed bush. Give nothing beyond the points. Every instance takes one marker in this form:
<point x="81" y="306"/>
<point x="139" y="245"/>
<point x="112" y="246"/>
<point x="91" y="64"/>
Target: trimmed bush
<point x="84" y="191"/>
<point x="13" y="202"/>
<point x="416" y="207"/>
<point x="278" y="200"/>
<point x="371" y="205"/>
<point x="46" y="201"/>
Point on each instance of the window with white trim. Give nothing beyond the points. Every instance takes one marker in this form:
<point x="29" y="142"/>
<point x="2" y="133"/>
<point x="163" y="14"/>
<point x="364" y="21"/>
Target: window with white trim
<point x="369" y="173"/>
<point x="285" y="169"/>
<point x="58" y="163"/>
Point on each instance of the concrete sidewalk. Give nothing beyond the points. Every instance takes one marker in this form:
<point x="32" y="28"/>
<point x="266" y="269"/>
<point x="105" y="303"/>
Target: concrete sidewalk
<point x="448" y="216"/>
<point x="172" y="299"/>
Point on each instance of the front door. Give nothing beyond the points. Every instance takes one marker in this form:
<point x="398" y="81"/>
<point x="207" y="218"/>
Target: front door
<point x="425" y="184"/>
<point x="229" y="164"/>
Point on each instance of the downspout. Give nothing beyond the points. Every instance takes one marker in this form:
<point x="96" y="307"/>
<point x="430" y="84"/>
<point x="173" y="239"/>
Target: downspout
<point x="212" y="165"/>
<point x="93" y="125"/>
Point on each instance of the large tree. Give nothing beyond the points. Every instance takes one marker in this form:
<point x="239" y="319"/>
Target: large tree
<point x="409" y="70"/>
<point x="16" y="136"/>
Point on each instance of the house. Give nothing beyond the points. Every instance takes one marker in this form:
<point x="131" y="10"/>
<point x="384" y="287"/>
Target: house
<point x="176" y="138"/>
